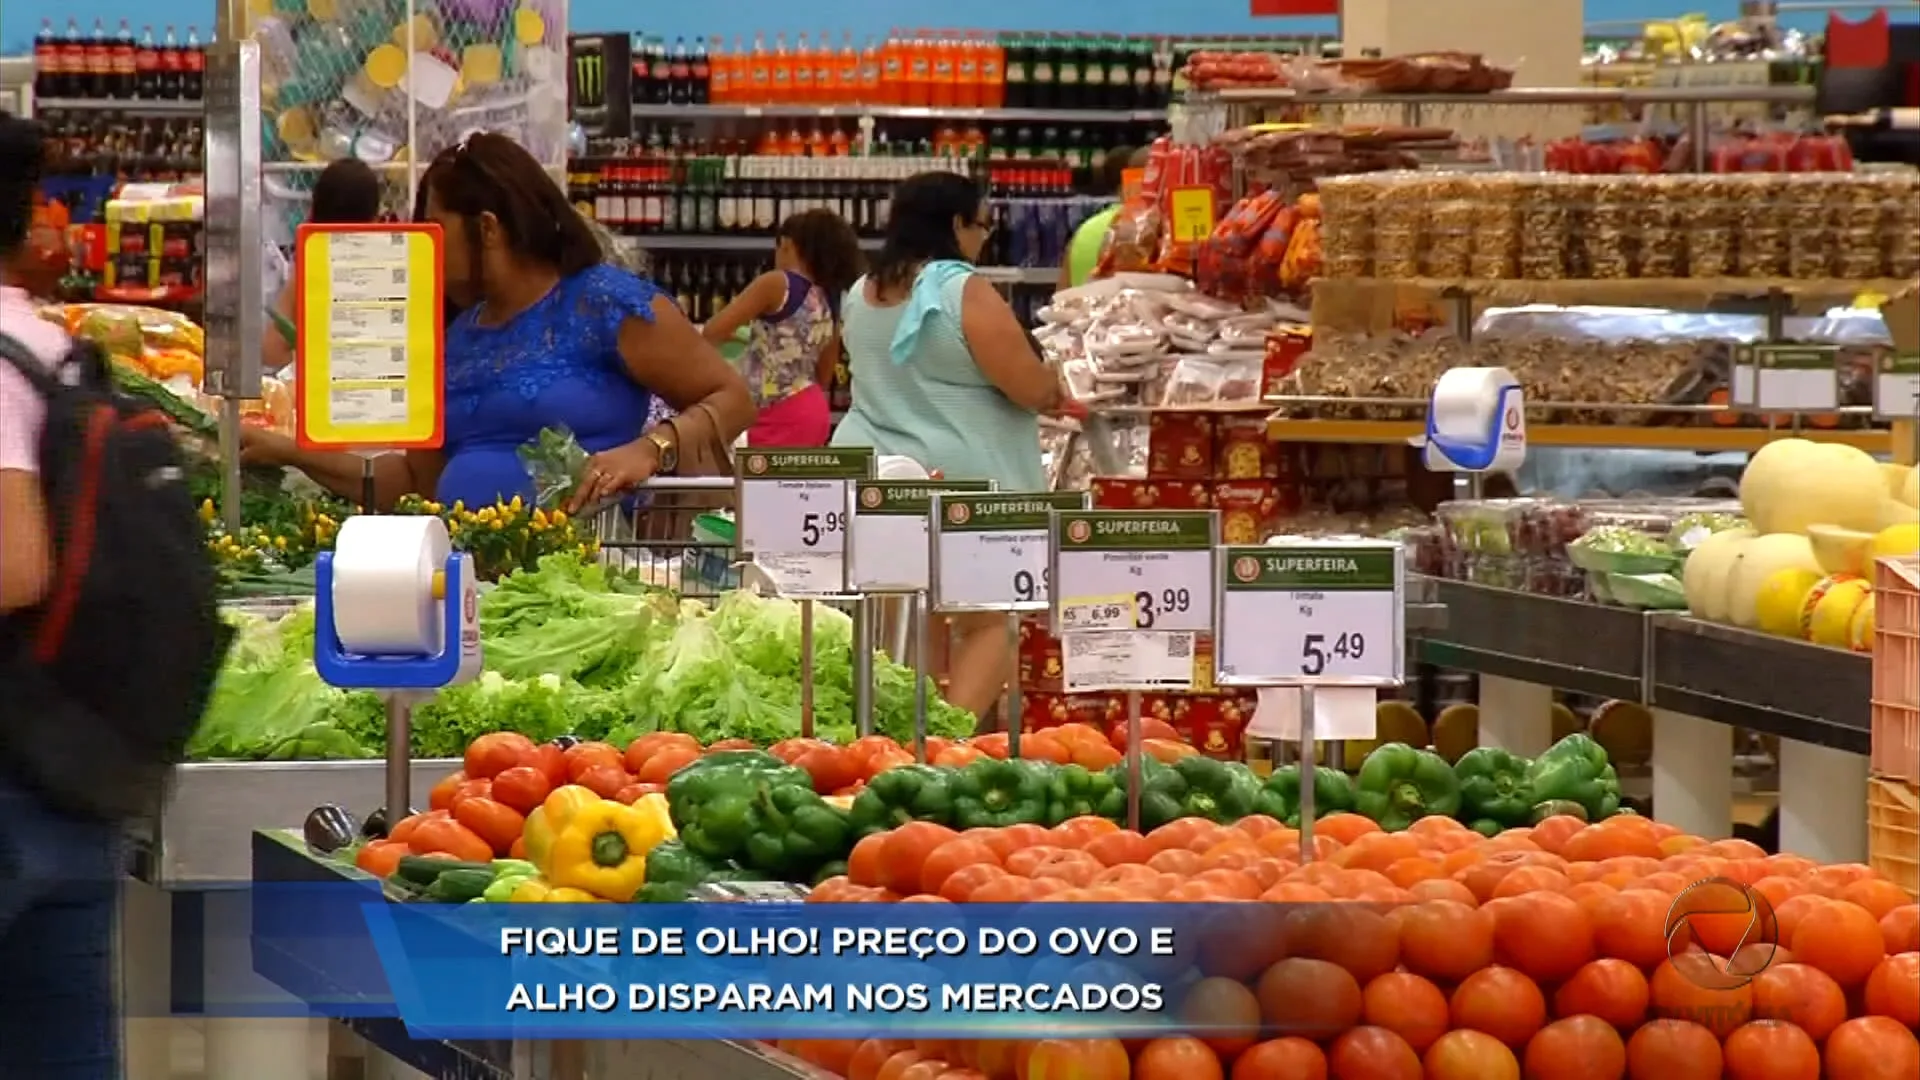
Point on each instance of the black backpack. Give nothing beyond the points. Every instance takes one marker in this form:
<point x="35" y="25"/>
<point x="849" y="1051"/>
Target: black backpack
<point x="107" y="678"/>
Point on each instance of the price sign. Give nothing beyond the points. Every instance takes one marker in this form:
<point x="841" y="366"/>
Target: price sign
<point x="1305" y="612"/>
<point x="794" y="509"/>
<point x="1796" y="378"/>
<point x="1740" y="391"/>
<point x="990" y="552"/>
<point x="1191" y="212"/>
<point x="1896" y="387"/>
<point x="367" y="319"/>
<point x="1135" y="588"/>
<point x="890" y="548"/>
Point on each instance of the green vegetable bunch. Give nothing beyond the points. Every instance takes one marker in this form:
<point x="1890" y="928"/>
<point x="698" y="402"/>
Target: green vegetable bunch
<point x="506" y="536"/>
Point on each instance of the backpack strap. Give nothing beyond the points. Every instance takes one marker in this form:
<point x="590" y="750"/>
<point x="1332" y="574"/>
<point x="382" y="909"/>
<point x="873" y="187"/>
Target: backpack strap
<point x="24" y="361"/>
<point x="89" y="365"/>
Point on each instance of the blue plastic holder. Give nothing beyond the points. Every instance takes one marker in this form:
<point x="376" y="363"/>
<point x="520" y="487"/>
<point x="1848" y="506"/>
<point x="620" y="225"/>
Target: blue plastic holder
<point x="1476" y="454"/>
<point x="356" y="671"/>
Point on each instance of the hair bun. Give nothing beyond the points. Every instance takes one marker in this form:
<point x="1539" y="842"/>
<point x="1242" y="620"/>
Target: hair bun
<point x="22" y="150"/>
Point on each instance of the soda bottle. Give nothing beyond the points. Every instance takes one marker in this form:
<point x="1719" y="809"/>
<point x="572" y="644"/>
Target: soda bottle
<point x="893" y="70"/>
<point x="48" y="62"/>
<point x="740" y="75"/>
<point x="872" y="69"/>
<point x="761" y="64"/>
<point x="125" y="77"/>
<point x="193" y="67"/>
<point x="700" y="73"/>
<point x="679" y="74"/>
<point x="826" y="68"/>
<point x="99" y="53"/>
<point x="73" y="63"/>
<point x="782" y="70"/>
<point x="846" y="81"/>
<point x="943" y="65"/>
<point x="719" y="72"/>
<point x="146" y="66"/>
<point x="170" y="66"/>
<point x="801" y="85"/>
<point x="919" y="81"/>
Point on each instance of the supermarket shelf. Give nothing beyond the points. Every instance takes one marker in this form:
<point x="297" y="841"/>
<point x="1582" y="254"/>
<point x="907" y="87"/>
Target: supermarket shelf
<point x="1792" y="689"/>
<point x="1666" y="660"/>
<point x="895" y="112"/>
<point x="1538" y="639"/>
<point x="1620" y="437"/>
<point x="199" y="840"/>
<point x="1331" y="294"/>
<point x="697" y="242"/>
<point x="281" y="857"/>
<point x="133" y="106"/>
<point x="1571" y="95"/>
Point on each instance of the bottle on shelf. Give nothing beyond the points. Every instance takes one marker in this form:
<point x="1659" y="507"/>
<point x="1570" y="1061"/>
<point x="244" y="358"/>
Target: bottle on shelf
<point x="740" y="72"/>
<point x="700" y="73"/>
<point x="719" y="72"/>
<point x="193" y="67"/>
<point x="48" y="62"/>
<point x="73" y="62"/>
<point x="146" y="65"/>
<point x="679" y="74"/>
<point x="760" y="62"/>
<point x="99" y="54"/>
<point x="846" y="71"/>
<point x="872" y="67"/>
<point x="170" y="65"/>
<point x="800" y="84"/>
<point x="124" y="79"/>
<point x="893" y="70"/>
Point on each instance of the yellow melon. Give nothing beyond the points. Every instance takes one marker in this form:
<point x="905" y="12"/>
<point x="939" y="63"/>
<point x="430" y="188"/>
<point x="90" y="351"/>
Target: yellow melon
<point x="1709" y="569"/>
<point x="1782" y="599"/>
<point x="1896" y="477"/>
<point x="1839" y="551"/>
<point x="1894" y="541"/>
<point x="1910" y="492"/>
<point x="1757" y="560"/>
<point x="1860" y="629"/>
<point x="1793" y="483"/>
<point x="1827" y="618"/>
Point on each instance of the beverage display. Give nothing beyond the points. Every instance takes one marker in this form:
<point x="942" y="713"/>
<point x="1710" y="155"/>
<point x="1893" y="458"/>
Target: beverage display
<point x="930" y="69"/>
<point x="71" y="65"/>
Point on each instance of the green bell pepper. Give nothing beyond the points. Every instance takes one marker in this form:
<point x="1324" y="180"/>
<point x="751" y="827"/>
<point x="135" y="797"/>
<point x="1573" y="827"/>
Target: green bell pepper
<point x="1487" y="827"/>
<point x="1191" y="787"/>
<point x="1399" y="785"/>
<point x="1332" y="792"/>
<point x="671" y="862"/>
<point x="993" y="794"/>
<point x="1576" y="770"/>
<point x="663" y="892"/>
<point x="1493" y="784"/>
<point x="1074" y="791"/>
<point x="903" y="794"/>
<point x="793" y="832"/>
<point x="741" y="809"/>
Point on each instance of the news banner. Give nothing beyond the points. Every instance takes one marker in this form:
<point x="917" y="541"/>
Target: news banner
<point x="749" y="971"/>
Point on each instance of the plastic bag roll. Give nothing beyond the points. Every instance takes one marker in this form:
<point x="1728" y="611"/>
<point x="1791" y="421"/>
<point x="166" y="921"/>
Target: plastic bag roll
<point x="383" y="595"/>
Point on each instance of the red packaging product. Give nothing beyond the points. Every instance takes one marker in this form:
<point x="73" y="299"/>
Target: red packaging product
<point x="1250" y="509"/>
<point x="1241" y="449"/>
<point x="1134" y="493"/>
<point x="1180" y="446"/>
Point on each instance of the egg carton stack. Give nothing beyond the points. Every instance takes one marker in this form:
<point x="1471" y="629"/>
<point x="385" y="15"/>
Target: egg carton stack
<point x="395" y="82"/>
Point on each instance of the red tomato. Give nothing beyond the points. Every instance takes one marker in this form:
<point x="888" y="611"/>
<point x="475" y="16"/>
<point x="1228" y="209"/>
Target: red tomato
<point x="604" y="780"/>
<point x="549" y="759"/>
<point x="954" y="757"/>
<point x="490" y="755"/>
<point x="522" y="787"/>
<point x="887" y="759"/>
<point x="865" y="748"/>
<point x="496" y="823"/>
<point x="731" y="744"/>
<point x="441" y="798"/>
<point x="380" y="857"/>
<point x="589" y="754"/>
<point x="640" y="750"/>
<point x="472" y="789"/>
<point x="633" y="793"/>
<point x="831" y="767"/>
<point x="445" y="836"/>
<point x="661" y="766"/>
<point x="994" y="745"/>
<point x="1151" y="727"/>
<point x="403" y="829"/>
<point x="789" y="750"/>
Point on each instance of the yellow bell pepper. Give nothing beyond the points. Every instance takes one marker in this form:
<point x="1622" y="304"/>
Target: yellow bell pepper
<point x="603" y="850"/>
<point x="572" y="896"/>
<point x="550" y="819"/>
<point x="655" y="806"/>
<point x="530" y="891"/>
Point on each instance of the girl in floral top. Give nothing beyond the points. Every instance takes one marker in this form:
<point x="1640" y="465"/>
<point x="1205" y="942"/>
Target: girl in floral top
<point x="792" y="315"/>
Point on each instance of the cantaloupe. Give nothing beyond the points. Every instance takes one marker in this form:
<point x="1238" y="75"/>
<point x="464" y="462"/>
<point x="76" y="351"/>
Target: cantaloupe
<point x="1896" y="477"/>
<point x="1757" y="560"/>
<point x="1893" y="542"/>
<point x="1708" y="570"/>
<point x="1794" y="483"/>
<point x="1860" y="630"/>
<point x="1910" y="493"/>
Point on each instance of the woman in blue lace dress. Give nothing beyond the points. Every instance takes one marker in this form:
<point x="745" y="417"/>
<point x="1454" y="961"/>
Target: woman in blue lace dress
<point x="549" y="335"/>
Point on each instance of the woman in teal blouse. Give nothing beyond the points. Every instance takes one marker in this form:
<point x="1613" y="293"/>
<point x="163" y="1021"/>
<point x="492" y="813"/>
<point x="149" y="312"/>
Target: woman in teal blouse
<point x="944" y="373"/>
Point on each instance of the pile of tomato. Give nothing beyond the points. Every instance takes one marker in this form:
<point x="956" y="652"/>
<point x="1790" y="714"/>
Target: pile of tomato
<point x="1439" y="954"/>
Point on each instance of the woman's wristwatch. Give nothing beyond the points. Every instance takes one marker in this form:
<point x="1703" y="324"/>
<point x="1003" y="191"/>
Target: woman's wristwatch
<point x="669" y="452"/>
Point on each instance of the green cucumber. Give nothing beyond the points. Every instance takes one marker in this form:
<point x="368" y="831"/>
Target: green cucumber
<point x="421" y="871"/>
<point x="457" y="886"/>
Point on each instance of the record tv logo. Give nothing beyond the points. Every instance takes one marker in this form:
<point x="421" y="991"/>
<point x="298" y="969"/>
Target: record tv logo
<point x="1721" y="934"/>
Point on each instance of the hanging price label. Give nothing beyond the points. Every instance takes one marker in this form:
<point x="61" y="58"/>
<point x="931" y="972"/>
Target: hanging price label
<point x="1098" y="613"/>
<point x="794" y="507"/>
<point x="1896" y="387"/>
<point x="890" y="532"/>
<point x="1190" y="211"/>
<point x="1136" y="589"/>
<point x="1308" y="612"/>
<point x="989" y="552"/>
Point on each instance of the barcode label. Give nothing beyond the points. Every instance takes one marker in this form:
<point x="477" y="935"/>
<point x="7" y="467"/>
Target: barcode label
<point x="1180" y="646"/>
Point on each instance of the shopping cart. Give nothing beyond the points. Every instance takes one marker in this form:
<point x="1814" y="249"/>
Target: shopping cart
<point x="678" y="535"/>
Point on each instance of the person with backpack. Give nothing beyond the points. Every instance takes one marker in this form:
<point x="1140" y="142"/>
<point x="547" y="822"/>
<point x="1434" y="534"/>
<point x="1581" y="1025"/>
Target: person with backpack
<point x="109" y="640"/>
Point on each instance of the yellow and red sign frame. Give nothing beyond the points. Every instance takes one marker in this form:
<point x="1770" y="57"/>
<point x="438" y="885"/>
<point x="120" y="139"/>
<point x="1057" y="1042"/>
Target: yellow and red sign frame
<point x="423" y="386"/>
